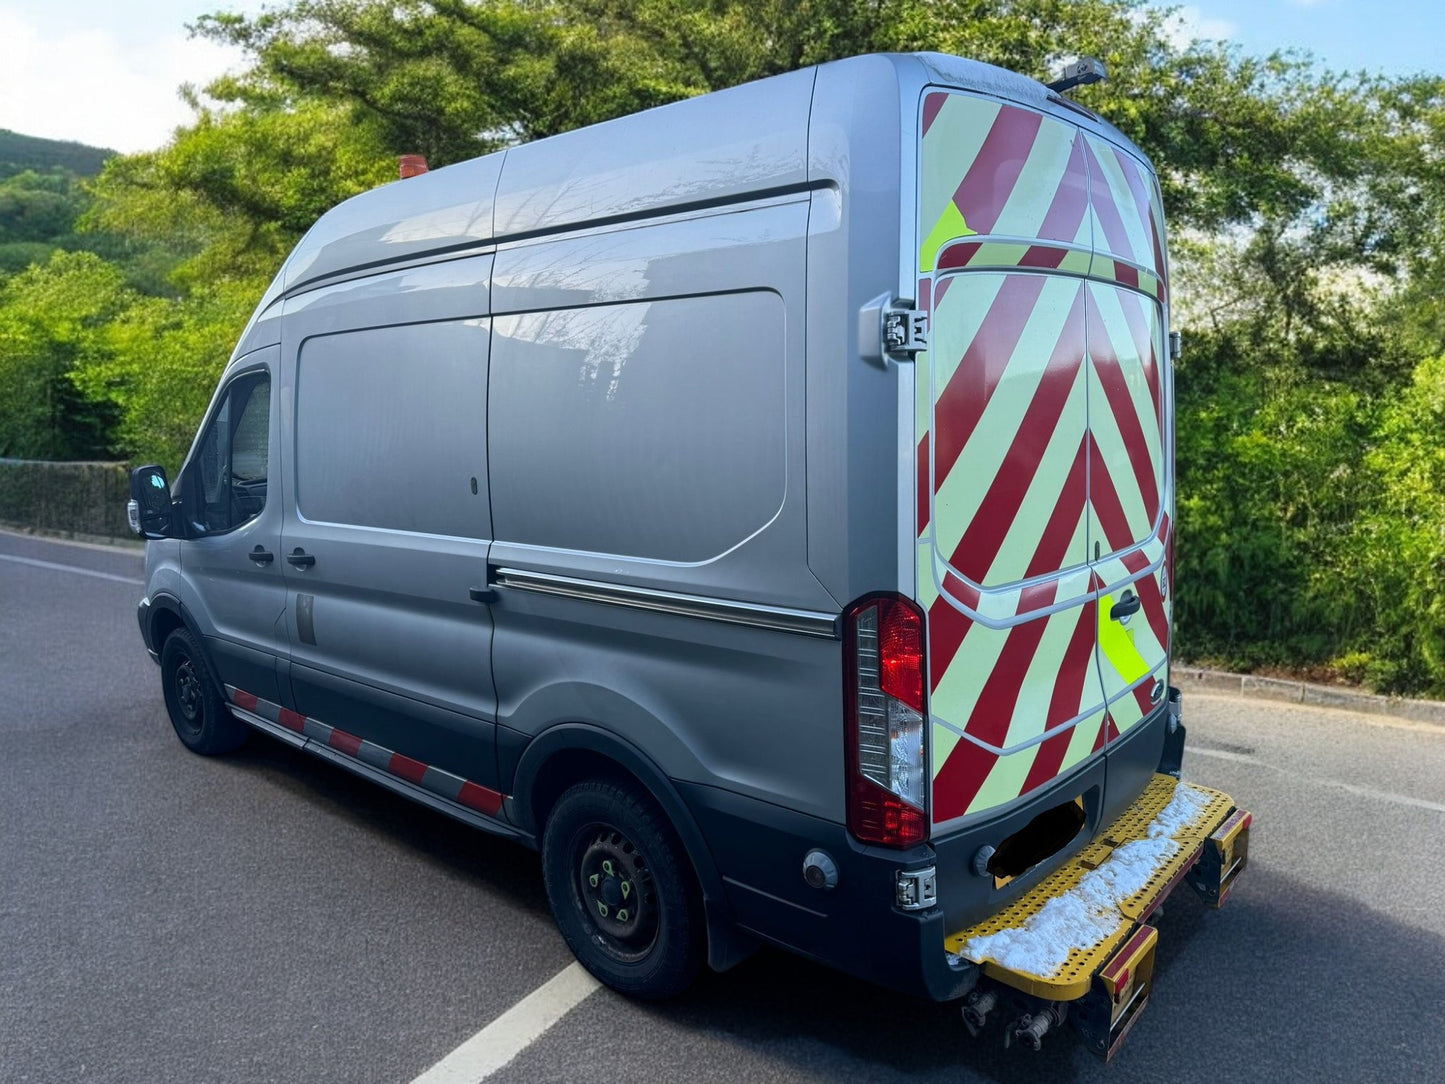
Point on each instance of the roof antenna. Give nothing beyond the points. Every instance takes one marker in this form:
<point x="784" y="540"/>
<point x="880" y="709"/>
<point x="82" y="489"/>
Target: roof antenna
<point x="1080" y="73"/>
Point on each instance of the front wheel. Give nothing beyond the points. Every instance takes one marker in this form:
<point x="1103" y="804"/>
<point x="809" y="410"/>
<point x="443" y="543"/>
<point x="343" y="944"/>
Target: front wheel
<point x="195" y="706"/>
<point x="621" y="889"/>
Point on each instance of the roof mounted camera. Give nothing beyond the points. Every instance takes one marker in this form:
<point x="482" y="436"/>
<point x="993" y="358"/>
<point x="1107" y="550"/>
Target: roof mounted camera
<point x="1080" y="73"/>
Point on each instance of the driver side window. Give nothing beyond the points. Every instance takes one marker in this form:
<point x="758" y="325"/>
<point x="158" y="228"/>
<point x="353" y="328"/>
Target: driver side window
<point x="228" y="483"/>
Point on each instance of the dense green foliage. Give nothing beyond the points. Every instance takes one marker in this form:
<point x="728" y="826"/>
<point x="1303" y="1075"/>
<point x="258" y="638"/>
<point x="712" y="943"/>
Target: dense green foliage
<point x="1308" y="211"/>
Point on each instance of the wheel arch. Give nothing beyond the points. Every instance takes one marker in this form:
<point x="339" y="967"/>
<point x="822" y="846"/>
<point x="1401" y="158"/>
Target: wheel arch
<point x="569" y="753"/>
<point x="168" y="613"/>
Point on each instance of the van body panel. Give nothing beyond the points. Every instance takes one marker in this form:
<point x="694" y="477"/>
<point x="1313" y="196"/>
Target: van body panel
<point x="386" y="430"/>
<point x="724" y="705"/>
<point x="714" y="149"/>
<point x="1130" y="497"/>
<point x="263" y="330"/>
<point x="855" y="242"/>
<point x="448" y="209"/>
<point x="596" y="345"/>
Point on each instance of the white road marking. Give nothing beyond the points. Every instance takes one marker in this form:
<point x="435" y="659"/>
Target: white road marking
<point x="519" y="1027"/>
<point x="1351" y="788"/>
<point x="71" y="568"/>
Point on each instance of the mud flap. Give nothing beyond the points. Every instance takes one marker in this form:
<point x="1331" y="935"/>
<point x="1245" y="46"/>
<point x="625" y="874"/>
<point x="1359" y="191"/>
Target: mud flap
<point x="1225" y="854"/>
<point x="1119" y="993"/>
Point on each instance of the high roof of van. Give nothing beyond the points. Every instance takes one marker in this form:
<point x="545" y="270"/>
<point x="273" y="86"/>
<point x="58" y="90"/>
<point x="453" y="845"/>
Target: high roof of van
<point x="751" y="140"/>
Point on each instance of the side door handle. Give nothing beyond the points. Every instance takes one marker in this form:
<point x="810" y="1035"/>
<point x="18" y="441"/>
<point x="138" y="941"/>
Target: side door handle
<point x="299" y="558"/>
<point x="261" y="555"/>
<point x="1127" y="606"/>
<point x="483" y="594"/>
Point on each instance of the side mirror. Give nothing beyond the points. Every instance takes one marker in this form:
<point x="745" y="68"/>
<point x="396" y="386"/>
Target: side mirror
<point x="149" y="508"/>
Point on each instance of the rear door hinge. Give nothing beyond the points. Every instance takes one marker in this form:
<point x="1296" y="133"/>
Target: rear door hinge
<point x="891" y="329"/>
<point x="905" y="332"/>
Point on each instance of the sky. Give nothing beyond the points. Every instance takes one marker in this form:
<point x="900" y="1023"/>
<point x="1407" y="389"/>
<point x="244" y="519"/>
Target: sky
<point x="106" y="72"/>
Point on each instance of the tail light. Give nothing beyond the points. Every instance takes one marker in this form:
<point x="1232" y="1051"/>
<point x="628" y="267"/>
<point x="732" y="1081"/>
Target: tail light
<point x="883" y="701"/>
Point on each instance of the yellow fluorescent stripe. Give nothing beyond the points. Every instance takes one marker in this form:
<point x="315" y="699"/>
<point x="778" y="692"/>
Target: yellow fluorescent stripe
<point x="1082" y="743"/>
<point x="1116" y="642"/>
<point x="927" y="589"/>
<point x="944" y="742"/>
<point x="922" y="397"/>
<point x="950" y="225"/>
<point x="1110" y="301"/>
<point x="962" y="683"/>
<point x="955" y="324"/>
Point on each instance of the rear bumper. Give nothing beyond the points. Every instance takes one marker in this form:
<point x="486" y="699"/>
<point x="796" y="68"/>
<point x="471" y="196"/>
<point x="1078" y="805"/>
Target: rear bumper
<point x="857" y="927"/>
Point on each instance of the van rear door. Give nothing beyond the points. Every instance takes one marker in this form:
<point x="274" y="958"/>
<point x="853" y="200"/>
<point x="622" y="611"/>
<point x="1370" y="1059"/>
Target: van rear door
<point x="1130" y="421"/>
<point x="1003" y="454"/>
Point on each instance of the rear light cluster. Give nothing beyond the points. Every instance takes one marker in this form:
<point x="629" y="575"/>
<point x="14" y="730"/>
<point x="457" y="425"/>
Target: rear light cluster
<point x="883" y="696"/>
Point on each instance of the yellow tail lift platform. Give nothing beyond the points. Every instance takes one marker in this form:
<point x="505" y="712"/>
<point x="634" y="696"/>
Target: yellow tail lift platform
<point x="1081" y="934"/>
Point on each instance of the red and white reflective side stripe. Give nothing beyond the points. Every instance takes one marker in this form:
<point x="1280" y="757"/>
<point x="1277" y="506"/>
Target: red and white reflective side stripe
<point x="442" y="783"/>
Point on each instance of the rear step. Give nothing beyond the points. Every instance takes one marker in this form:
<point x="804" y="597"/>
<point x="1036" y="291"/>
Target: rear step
<point x="1081" y="936"/>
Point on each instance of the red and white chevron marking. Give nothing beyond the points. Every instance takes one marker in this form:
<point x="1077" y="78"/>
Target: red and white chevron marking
<point x="1125" y="206"/>
<point x="441" y="783"/>
<point x="1041" y="422"/>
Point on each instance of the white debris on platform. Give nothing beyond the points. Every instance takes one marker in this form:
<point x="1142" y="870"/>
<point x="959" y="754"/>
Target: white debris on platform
<point x="1087" y="913"/>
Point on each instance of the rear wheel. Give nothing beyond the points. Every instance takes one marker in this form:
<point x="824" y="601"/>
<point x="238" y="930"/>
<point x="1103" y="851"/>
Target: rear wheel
<point x="197" y="711"/>
<point x="622" y="891"/>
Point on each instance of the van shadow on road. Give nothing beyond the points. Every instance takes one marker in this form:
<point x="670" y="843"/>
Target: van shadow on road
<point x="1288" y="982"/>
<point x="490" y="862"/>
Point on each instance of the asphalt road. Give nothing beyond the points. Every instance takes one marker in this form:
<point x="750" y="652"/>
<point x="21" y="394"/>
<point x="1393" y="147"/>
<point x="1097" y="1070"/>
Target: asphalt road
<point x="267" y="917"/>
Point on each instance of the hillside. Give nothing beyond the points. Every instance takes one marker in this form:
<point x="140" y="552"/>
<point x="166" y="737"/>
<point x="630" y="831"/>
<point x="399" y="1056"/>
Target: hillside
<point x="19" y="153"/>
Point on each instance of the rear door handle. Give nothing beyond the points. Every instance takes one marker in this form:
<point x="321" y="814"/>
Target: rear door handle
<point x="1127" y="606"/>
<point x="483" y="594"/>
<point x="261" y="555"/>
<point x="299" y="558"/>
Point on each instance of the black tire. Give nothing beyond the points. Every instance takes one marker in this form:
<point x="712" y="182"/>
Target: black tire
<point x="199" y="715"/>
<point x="622" y="890"/>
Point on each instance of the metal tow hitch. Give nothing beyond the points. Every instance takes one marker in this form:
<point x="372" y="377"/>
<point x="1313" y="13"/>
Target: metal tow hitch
<point x="976" y="1008"/>
<point x="1030" y="1028"/>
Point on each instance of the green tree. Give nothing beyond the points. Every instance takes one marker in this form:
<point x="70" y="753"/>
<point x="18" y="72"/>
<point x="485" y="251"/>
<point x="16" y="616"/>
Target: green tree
<point x="53" y="319"/>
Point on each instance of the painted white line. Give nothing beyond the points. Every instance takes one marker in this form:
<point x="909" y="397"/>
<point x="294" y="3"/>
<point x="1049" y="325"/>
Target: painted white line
<point x="1350" y="788"/>
<point x="519" y="1027"/>
<point x="71" y="568"/>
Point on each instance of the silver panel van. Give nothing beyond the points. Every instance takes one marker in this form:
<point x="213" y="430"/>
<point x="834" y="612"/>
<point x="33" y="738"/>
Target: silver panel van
<point x="761" y="505"/>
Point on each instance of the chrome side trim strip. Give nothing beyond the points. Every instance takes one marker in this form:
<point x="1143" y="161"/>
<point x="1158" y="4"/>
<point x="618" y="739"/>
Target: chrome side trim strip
<point x="776" y="618"/>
